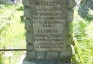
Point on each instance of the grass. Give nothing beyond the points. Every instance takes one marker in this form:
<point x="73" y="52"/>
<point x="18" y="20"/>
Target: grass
<point x="83" y="37"/>
<point x="15" y="32"/>
<point x="13" y="36"/>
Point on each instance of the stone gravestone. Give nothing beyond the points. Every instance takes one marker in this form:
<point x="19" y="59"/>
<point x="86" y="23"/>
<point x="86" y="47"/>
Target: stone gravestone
<point x="48" y="33"/>
<point x="85" y="7"/>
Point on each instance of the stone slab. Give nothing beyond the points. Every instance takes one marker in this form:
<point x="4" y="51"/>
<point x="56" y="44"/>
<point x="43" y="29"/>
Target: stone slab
<point x="49" y="19"/>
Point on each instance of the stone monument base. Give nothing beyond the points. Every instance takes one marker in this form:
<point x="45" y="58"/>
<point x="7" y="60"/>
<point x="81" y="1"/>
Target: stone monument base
<point x="45" y="62"/>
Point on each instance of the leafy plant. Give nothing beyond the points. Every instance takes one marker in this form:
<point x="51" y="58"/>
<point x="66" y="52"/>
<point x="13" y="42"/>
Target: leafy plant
<point x="20" y="8"/>
<point x="1" y="59"/>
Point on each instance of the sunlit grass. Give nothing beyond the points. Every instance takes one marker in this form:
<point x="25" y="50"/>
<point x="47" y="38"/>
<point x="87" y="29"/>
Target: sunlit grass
<point x="13" y="36"/>
<point x="15" y="33"/>
<point x="83" y="33"/>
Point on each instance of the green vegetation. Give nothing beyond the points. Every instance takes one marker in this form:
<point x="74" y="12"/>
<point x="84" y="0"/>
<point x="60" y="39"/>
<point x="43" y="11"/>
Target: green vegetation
<point x="83" y="37"/>
<point x="12" y="33"/>
<point x="1" y="59"/>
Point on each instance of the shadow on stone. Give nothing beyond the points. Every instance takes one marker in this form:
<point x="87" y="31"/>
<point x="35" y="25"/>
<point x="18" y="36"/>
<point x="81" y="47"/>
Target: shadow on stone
<point x="46" y="62"/>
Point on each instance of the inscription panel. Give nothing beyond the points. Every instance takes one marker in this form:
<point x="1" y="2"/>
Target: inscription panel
<point x="49" y="19"/>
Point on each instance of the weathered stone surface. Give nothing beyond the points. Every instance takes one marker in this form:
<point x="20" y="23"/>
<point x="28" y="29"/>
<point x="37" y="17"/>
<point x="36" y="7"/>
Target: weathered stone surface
<point x="30" y="55"/>
<point x="48" y="31"/>
<point x="27" y="13"/>
<point x="49" y="24"/>
<point x="29" y="46"/>
<point x="67" y="53"/>
<point x="26" y="2"/>
<point x="69" y="50"/>
<point x="28" y="37"/>
<point x="70" y="14"/>
<point x="71" y="3"/>
<point x="41" y="55"/>
<point x="45" y="62"/>
<point x="52" y="55"/>
<point x="28" y="25"/>
<point x="28" y="62"/>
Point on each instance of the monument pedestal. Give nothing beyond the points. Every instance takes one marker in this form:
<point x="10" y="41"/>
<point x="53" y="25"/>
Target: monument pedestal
<point x="46" y="62"/>
<point x="41" y="57"/>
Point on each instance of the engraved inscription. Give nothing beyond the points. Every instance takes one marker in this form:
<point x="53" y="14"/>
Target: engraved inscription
<point x="46" y="3"/>
<point x="48" y="24"/>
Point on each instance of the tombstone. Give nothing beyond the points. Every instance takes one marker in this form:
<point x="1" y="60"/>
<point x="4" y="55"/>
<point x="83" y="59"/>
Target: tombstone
<point x="47" y="31"/>
<point x="84" y="8"/>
